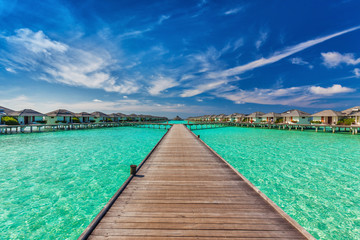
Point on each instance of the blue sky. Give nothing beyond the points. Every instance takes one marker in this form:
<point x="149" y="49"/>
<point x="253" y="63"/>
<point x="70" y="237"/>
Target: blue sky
<point x="179" y="57"/>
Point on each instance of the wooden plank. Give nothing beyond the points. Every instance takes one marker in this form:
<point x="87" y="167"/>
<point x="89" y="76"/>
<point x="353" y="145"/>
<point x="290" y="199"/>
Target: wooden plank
<point x="184" y="190"/>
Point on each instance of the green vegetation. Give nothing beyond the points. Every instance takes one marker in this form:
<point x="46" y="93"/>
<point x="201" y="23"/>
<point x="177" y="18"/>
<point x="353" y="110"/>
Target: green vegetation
<point x="279" y="120"/>
<point x="60" y="121"/>
<point x="347" y="121"/>
<point x="42" y="122"/>
<point x="75" y="120"/>
<point x="9" y="120"/>
<point x="316" y="122"/>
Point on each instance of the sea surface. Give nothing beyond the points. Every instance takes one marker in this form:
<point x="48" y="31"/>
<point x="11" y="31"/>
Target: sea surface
<point x="313" y="177"/>
<point x="53" y="184"/>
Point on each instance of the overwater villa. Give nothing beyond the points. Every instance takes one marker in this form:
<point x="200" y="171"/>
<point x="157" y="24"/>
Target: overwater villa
<point x="296" y="116"/>
<point x="328" y="117"/>
<point x="114" y="117"/>
<point x="354" y="113"/>
<point x="100" y="117"/>
<point x="356" y="116"/>
<point x="239" y="117"/>
<point x="271" y="117"/>
<point x="220" y="118"/>
<point x="59" y="116"/>
<point x="254" y="117"/>
<point x="122" y="117"/>
<point x="5" y="111"/>
<point x="132" y="117"/>
<point x="85" y="117"/>
<point x="28" y="116"/>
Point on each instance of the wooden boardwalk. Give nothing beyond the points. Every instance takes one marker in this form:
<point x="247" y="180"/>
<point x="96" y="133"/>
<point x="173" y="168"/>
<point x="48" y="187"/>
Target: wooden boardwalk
<point x="184" y="190"/>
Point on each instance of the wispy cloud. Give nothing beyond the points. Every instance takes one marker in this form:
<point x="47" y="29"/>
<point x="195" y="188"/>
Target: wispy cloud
<point x="357" y="72"/>
<point x="303" y="96"/>
<point x="300" y="61"/>
<point x="121" y="105"/>
<point x="162" y="18"/>
<point x="233" y="11"/>
<point x="277" y="56"/>
<point x="262" y="38"/>
<point x="161" y="84"/>
<point x="334" y="59"/>
<point x="10" y="70"/>
<point x="60" y="63"/>
<point x="334" y="89"/>
<point x="217" y="78"/>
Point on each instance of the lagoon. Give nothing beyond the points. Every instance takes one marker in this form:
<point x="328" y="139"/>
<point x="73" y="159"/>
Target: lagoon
<point x="53" y="184"/>
<point x="313" y="177"/>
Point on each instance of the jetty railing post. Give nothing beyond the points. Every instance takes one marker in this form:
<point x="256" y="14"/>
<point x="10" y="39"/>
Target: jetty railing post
<point x="133" y="169"/>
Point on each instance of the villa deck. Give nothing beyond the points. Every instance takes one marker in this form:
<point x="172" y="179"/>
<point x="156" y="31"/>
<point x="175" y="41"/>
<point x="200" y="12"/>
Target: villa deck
<point x="184" y="190"/>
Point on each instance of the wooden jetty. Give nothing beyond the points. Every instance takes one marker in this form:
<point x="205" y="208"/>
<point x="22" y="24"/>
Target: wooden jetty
<point x="185" y="190"/>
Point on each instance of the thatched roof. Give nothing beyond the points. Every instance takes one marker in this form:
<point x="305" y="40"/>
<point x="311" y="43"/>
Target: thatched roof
<point x="355" y="114"/>
<point x="6" y="110"/>
<point x="26" y="113"/>
<point x="352" y="110"/>
<point x="114" y="115"/>
<point x="60" y="113"/>
<point x="121" y="114"/>
<point x="255" y="114"/>
<point x="295" y="113"/>
<point x="271" y="114"/>
<point x="99" y="114"/>
<point x="328" y="113"/>
<point x="83" y="114"/>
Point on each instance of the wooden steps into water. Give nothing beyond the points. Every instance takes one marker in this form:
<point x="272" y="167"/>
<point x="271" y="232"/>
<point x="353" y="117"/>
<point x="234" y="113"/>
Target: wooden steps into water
<point x="184" y="190"/>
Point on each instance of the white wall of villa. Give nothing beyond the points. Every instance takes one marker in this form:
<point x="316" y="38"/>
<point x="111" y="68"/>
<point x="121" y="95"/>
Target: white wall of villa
<point x="255" y="119"/>
<point x="357" y="120"/>
<point x="29" y="119"/>
<point x="57" y="119"/>
<point x="327" y="119"/>
<point x="99" y="119"/>
<point x="299" y="120"/>
<point x="86" y="119"/>
<point x="269" y="119"/>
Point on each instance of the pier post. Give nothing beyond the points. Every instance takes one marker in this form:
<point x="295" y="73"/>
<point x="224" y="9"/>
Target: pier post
<point x="133" y="169"/>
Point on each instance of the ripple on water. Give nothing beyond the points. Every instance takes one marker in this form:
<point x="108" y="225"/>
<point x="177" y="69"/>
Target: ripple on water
<point x="314" y="177"/>
<point x="53" y="184"/>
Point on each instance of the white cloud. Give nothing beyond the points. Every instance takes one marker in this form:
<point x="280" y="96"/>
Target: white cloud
<point x="161" y="84"/>
<point x="334" y="59"/>
<point x="233" y="11"/>
<point x="60" y="63"/>
<point x="10" y="70"/>
<point x="300" y="61"/>
<point x="334" y="89"/>
<point x="238" y="43"/>
<point x="125" y="97"/>
<point x="163" y="18"/>
<point x="357" y="72"/>
<point x="36" y="41"/>
<point x="304" y="96"/>
<point x="277" y="56"/>
<point x="97" y="100"/>
<point x="123" y="105"/>
<point x="201" y="88"/>
<point x="285" y="96"/>
<point x="262" y="38"/>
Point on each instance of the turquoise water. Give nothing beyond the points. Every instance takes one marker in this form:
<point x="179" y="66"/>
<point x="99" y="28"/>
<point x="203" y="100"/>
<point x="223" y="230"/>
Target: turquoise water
<point x="53" y="184"/>
<point x="178" y="122"/>
<point x="314" y="177"/>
